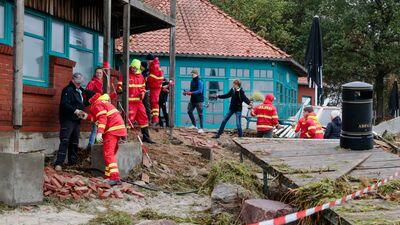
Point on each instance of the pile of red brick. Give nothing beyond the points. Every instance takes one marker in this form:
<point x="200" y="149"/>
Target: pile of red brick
<point x="65" y="185"/>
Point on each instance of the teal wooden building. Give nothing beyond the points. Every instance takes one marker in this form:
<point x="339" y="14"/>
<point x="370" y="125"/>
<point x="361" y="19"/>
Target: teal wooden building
<point x="222" y="50"/>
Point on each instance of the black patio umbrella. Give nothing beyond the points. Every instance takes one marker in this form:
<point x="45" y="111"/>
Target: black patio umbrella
<point x="394" y="100"/>
<point x="313" y="59"/>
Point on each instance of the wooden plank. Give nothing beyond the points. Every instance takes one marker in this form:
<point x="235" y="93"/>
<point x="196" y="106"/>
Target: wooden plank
<point x="106" y="43"/>
<point x="125" y="59"/>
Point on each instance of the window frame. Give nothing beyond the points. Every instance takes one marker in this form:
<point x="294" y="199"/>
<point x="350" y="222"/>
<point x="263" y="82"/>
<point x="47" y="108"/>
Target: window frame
<point x="44" y="82"/>
<point x="7" y="23"/>
<point x="55" y="53"/>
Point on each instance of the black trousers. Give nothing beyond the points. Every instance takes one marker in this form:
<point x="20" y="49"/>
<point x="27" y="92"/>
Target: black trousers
<point x="163" y="109"/>
<point x="69" y="141"/>
<point x="199" y="107"/>
<point x="147" y="106"/>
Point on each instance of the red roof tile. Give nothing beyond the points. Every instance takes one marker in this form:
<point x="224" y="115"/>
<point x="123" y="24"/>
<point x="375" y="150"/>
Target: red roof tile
<point x="203" y="29"/>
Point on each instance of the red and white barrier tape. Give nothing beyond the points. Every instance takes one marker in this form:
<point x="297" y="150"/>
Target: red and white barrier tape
<point x="308" y="212"/>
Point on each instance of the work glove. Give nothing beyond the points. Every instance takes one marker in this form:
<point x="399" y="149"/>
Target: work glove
<point x="83" y="116"/>
<point x="77" y="112"/>
<point x="99" y="138"/>
<point x="189" y="93"/>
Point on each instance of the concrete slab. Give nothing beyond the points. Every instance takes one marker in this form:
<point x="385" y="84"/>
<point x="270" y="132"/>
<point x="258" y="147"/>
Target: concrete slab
<point x="392" y="126"/>
<point x="37" y="141"/>
<point x="22" y="178"/>
<point x="129" y="156"/>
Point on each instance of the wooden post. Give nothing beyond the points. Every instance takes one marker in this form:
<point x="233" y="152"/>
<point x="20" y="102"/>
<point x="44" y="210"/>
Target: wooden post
<point x="18" y="69"/>
<point x="265" y="181"/>
<point x="172" y="56"/>
<point x="125" y="67"/>
<point x="106" y="44"/>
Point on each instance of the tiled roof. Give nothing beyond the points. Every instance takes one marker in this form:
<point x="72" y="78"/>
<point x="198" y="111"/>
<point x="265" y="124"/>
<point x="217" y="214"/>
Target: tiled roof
<point x="204" y="29"/>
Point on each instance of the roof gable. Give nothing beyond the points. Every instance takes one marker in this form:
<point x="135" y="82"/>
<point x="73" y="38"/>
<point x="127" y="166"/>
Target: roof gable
<point x="204" y="29"/>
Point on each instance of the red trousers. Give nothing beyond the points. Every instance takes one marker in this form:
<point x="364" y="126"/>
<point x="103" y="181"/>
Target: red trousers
<point x="110" y="149"/>
<point x="155" y="108"/>
<point x="137" y="113"/>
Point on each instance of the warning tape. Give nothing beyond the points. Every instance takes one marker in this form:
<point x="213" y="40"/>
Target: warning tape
<point x="308" y="212"/>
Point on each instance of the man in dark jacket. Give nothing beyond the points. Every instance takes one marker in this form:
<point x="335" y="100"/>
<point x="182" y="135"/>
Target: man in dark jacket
<point x="162" y="102"/>
<point x="237" y="96"/>
<point x="196" y="94"/>
<point x="146" y="100"/>
<point x="334" y="128"/>
<point x="71" y="107"/>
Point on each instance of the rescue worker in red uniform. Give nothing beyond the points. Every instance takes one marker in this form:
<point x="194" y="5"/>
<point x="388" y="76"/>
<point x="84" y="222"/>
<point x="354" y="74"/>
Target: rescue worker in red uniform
<point x="110" y="128"/>
<point x="267" y="117"/>
<point x="137" y="88"/>
<point x="313" y="129"/>
<point x="154" y="84"/>
<point x="300" y="127"/>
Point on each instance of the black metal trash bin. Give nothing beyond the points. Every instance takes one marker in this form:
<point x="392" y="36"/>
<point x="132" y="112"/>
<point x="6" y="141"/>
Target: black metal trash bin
<point x="357" y="99"/>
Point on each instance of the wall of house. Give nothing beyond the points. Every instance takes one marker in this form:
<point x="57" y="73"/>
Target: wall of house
<point x="218" y="74"/>
<point x="306" y="92"/>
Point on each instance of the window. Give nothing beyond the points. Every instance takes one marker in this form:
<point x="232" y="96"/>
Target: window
<point x="81" y="51"/>
<point x="84" y="63"/>
<point x="101" y="49"/>
<point x="185" y="71"/>
<point x="35" y="58"/>
<point x="2" y="21"/>
<point x="214" y="72"/>
<point x="263" y="74"/>
<point x="80" y="38"/>
<point x="263" y="86"/>
<point x="240" y="73"/>
<point x="57" y="37"/>
<point x="165" y="70"/>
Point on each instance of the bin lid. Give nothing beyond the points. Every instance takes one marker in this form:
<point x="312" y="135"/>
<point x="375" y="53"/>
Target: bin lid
<point x="357" y="85"/>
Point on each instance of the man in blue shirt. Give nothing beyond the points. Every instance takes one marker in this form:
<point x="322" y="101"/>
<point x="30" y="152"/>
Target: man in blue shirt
<point x="196" y="94"/>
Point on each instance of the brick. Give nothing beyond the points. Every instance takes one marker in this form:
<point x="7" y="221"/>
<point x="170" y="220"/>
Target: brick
<point x="64" y="197"/>
<point x="105" y="194"/>
<point x="103" y="185"/>
<point x="132" y="191"/>
<point x="46" y="179"/>
<point x="81" y="190"/>
<point x="50" y="187"/>
<point x="48" y="193"/>
<point x="63" y="191"/>
<point x="55" y="182"/>
<point x="118" y="194"/>
<point x="76" y="196"/>
<point x="80" y="183"/>
<point x="60" y="179"/>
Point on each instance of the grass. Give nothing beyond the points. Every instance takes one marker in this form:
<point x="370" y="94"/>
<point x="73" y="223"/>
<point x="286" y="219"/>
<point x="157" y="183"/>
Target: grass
<point x="317" y="193"/>
<point x="285" y="168"/>
<point x="390" y="187"/>
<point x="112" y="217"/>
<point x="4" y="208"/>
<point x="198" y="217"/>
<point x="232" y="172"/>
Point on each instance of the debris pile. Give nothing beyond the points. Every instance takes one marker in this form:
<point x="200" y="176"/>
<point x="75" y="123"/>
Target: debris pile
<point x="192" y="136"/>
<point x="65" y="185"/>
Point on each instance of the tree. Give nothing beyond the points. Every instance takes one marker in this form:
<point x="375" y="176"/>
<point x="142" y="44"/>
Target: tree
<point x="361" y="38"/>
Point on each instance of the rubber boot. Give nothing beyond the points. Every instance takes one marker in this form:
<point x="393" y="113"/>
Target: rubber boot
<point x="146" y="136"/>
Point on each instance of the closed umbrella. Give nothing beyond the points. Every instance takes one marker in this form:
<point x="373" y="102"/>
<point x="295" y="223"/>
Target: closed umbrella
<point x="313" y="59"/>
<point x="394" y="100"/>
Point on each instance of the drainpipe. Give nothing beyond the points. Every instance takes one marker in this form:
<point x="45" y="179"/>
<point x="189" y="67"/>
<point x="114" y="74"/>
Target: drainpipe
<point x="172" y="65"/>
<point x="106" y="44"/>
<point x="18" y="70"/>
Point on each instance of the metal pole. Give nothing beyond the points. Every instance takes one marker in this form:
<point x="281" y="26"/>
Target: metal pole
<point x="172" y="59"/>
<point x="125" y="67"/>
<point x="18" y="69"/>
<point x="106" y="44"/>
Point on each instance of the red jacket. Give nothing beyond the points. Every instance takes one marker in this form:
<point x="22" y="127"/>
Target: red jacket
<point x="301" y="127"/>
<point x="313" y="127"/>
<point x="156" y="75"/>
<point x="106" y="116"/>
<point x="267" y="117"/>
<point x="137" y="87"/>
<point x="95" y="85"/>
